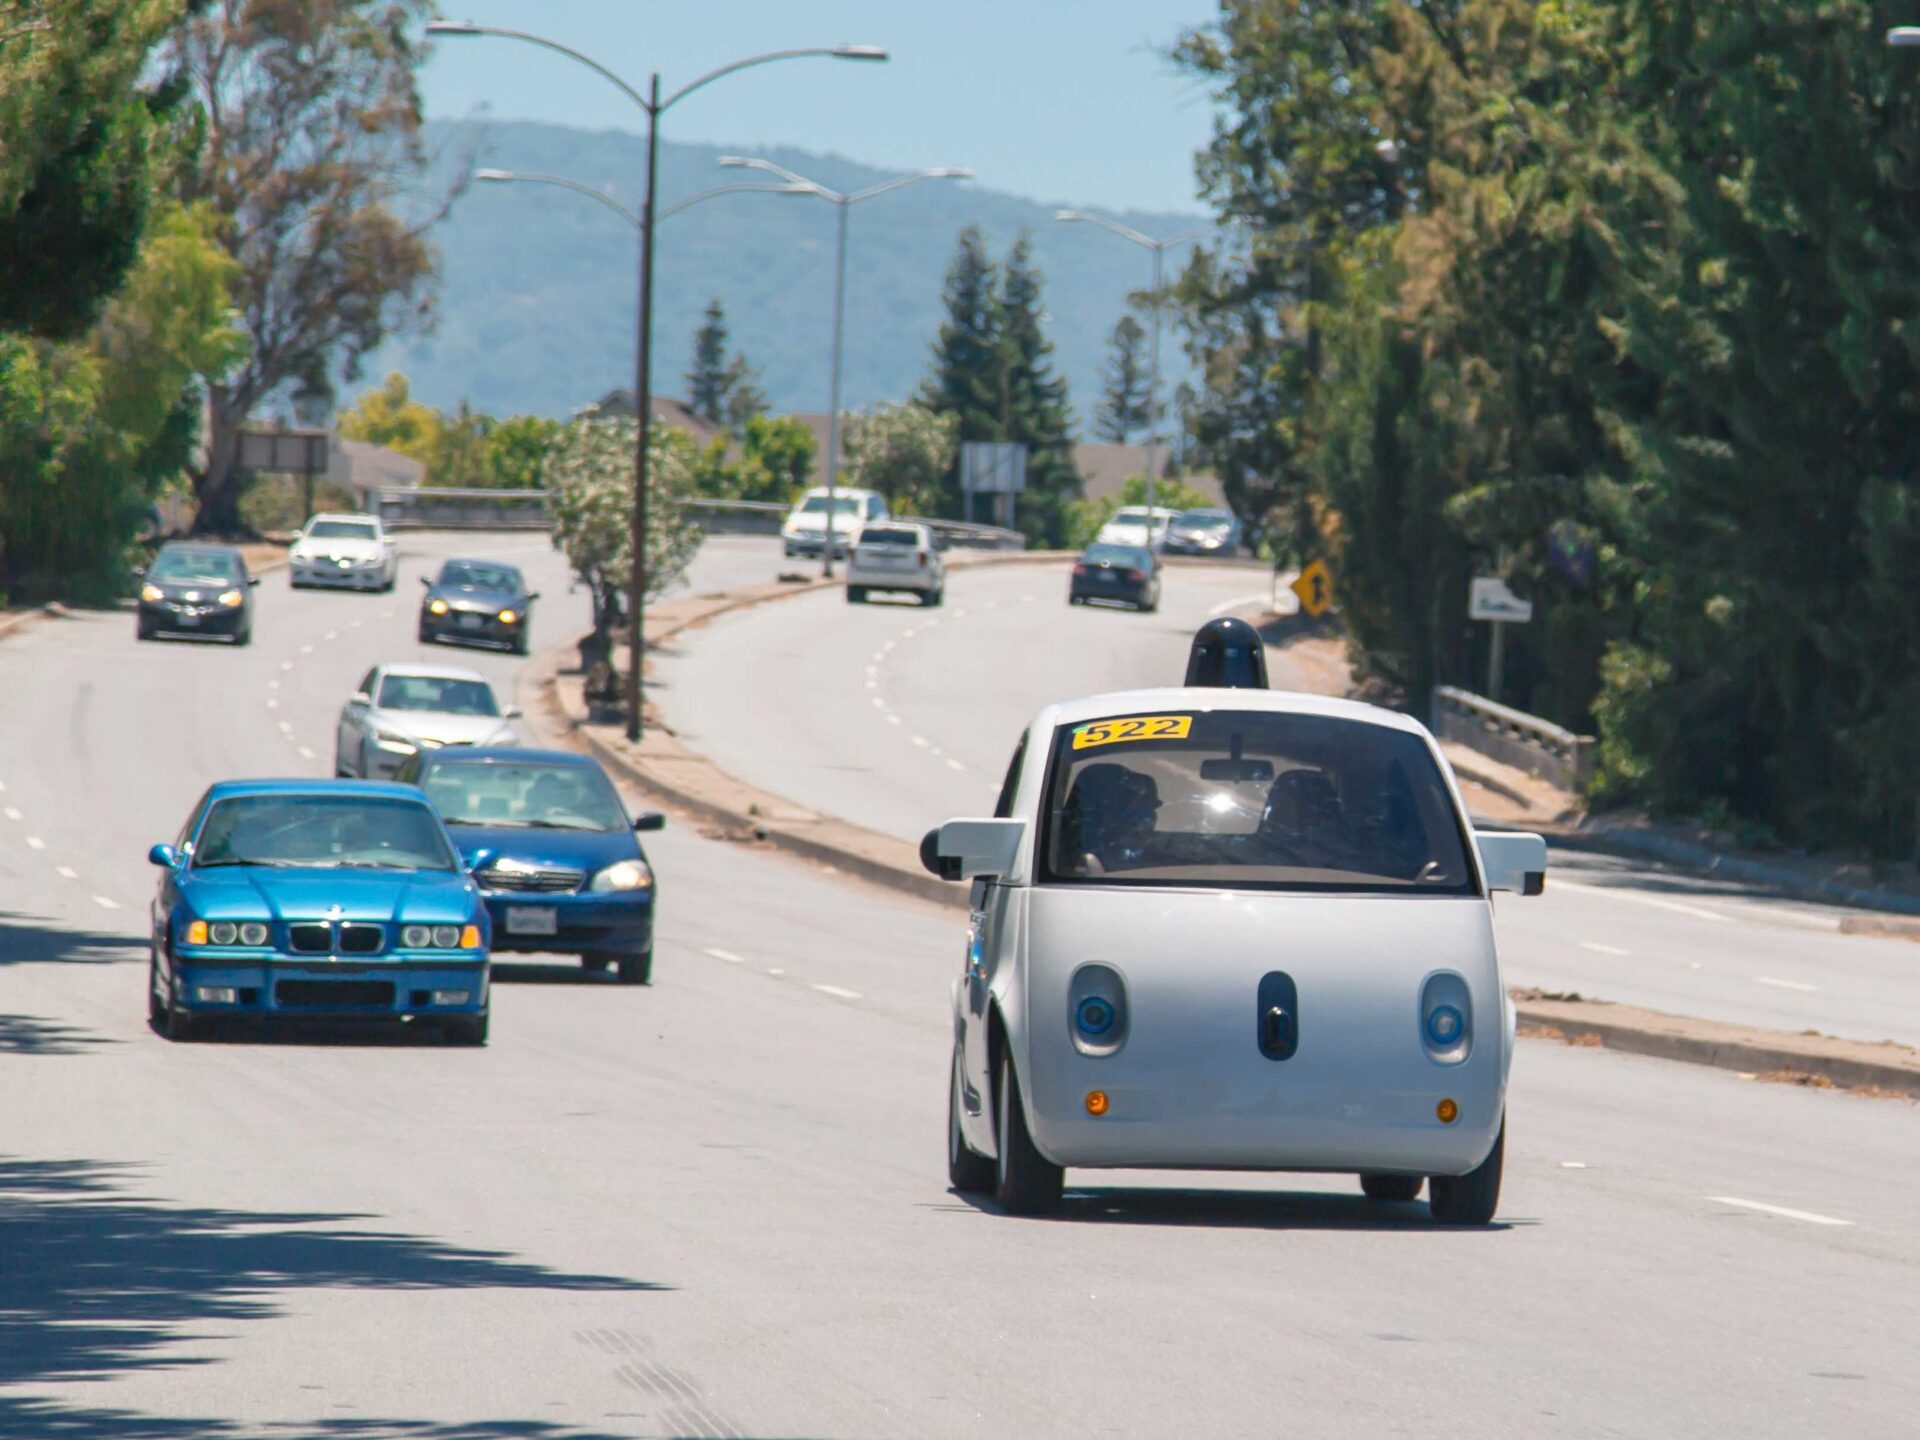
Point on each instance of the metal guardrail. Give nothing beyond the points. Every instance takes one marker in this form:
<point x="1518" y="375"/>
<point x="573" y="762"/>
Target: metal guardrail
<point x="1513" y="737"/>
<point x="433" y="508"/>
<point x="764" y="517"/>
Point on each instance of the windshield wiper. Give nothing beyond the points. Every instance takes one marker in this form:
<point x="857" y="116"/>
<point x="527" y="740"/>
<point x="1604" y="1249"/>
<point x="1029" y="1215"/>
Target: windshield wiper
<point x="562" y="824"/>
<point x="257" y="864"/>
<point x="498" y="824"/>
<point x="374" y="865"/>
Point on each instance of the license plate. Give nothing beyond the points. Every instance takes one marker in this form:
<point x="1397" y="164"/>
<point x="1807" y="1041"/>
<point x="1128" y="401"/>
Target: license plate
<point x="189" y="619"/>
<point x="532" y="920"/>
<point x="469" y="622"/>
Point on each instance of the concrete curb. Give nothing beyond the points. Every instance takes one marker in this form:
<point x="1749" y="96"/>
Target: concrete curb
<point x="1847" y="1064"/>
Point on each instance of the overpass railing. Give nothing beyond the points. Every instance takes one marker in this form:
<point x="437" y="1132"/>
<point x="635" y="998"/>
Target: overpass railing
<point x="1513" y="737"/>
<point x="432" y="507"/>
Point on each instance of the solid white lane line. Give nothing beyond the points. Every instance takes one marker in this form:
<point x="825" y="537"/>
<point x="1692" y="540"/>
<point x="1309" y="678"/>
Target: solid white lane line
<point x="66" y="872"/>
<point x="1786" y="984"/>
<point x="105" y="904"/>
<point x="1634" y="898"/>
<point x="837" y="992"/>
<point x="1598" y="948"/>
<point x="34" y="842"/>
<point x="1807" y="1215"/>
<point x="726" y="955"/>
<point x="1225" y="605"/>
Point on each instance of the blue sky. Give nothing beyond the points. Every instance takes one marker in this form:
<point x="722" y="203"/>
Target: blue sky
<point x="1067" y="101"/>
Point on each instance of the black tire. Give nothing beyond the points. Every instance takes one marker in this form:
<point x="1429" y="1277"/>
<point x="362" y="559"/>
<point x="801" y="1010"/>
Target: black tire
<point x="142" y="630"/>
<point x="243" y="637"/>
<point x="1470" y="1199"/>
<point x="1390" y="1189"/>
<point x="169" y="1019"/>
<point x="1025" y="1181"/>
<point x="596" y="964"/>
<point x="637" y="969"/>
<point x="856" y="594"/>
<point x="1076" y="600"/>
<point x="520" y="643"/>
<point x="426" y="636"/>
<point x="466" y="1029"/>
<point x="967" y="1170"/>
<point x="156" y="1008"/>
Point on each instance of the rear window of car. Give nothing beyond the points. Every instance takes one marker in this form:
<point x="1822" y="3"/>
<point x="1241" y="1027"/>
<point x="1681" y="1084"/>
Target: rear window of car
<point x="1251" y="800"/>
<point x="1116" y="555"/>
<point x="892" y="535"/>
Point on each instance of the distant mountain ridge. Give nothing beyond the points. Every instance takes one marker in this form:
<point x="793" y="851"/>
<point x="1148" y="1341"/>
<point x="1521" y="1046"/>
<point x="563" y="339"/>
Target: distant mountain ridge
<point x="538" y="286"/>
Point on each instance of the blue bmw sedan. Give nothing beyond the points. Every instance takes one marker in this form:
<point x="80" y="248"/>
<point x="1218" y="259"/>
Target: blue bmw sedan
<point x="321" y="898"/>
<point x="554" y="851"/>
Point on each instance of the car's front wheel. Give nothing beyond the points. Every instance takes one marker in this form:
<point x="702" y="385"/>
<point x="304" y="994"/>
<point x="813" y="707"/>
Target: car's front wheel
<point x="1025" y="1181"/>
<point x="1470" y="1199"/>
<point x="466" y="1029"/>
<point x="168" y="1018"/>
<point x="967" y="1170"/>
<point x="856" y="594"/>
<point x="637" y="969"/>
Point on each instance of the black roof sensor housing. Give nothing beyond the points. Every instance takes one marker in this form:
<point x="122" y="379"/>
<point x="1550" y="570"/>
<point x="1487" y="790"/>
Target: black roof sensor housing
<point x="1227" y="654"/>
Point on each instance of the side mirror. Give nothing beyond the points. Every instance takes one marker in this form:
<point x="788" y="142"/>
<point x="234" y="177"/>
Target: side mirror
<point x="163" y="856"/>
<point x="426" y="582"/>
<point x="532" y="596"/>
<point x="512" y="712"/>
<point x="139" y="572"/>
<point x="977" y="847"/>
<point x="936" y="864"/>
<point x="252" y="580"/>
<point x="652" y="820"/>
<point x="1513" y="861"/>
<point x="360" y="700"/>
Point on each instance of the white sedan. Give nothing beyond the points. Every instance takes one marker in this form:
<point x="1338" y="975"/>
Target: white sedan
<point x="892" y="555"/>
<point x="1231" y="929"/>
<point x="351" y="551"/>
<point x="401" y="710"/>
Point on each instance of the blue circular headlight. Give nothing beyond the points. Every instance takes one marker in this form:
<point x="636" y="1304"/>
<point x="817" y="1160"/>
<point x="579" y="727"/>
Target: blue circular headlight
<point x="1095" y="1015"/>
<point x="1445" y="1025"/>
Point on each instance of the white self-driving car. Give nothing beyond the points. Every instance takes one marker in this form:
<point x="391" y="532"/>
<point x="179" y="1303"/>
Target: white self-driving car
<point x="353" y="551"/>
<point x="1231" y="929"/>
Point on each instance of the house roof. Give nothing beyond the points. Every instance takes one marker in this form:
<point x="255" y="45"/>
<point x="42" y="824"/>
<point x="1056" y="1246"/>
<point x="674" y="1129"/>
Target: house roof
<point x="666" y="410"/>
<point x="360" y="466"/>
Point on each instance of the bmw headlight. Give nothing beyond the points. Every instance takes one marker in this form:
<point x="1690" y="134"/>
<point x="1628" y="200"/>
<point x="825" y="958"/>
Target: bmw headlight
<point x="626" y="875"/>
<point x="416" y="937"/>
<point x="253" y="933"/>
<point x="223" y="932"/>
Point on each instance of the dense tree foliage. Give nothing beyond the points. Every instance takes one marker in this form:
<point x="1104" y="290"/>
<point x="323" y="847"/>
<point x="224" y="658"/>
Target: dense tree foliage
<point x="903" y="452"/>
<point x="1614" y="300"/>
<point x="1125" y="407"/>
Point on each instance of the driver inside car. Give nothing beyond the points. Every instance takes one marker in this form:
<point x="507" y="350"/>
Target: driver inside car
<point x="1108" y="819"/>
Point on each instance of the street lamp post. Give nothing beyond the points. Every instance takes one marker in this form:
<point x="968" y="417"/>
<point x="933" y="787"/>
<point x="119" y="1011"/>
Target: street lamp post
<point x="1159" y="248"/>
<point x="842" y="204"/>
<point x="654" y="105"/>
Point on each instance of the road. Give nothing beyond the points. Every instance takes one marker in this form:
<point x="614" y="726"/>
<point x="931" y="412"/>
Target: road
<point x="897" y="717"/>
<point x="717" y="1206"/>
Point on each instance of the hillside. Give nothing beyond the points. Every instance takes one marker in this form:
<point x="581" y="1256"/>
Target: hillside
<point x="536" y="308"/>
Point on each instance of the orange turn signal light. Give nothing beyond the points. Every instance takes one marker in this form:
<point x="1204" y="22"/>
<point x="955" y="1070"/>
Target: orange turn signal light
<point x="470" y="938"/>
<point x="1096" y="1102"/>
<point x="197" y="933"/>
<point x="1447" y="1111"/>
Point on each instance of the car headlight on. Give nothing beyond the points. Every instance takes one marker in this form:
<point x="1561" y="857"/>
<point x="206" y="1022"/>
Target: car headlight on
<point x="231" y="598"/>
<point x="436" y="607"/>
<point x="509" y="617"/>
<point x="152" y="594"/>
<point x="626" y="875"/>
<point x="397" y="744"/>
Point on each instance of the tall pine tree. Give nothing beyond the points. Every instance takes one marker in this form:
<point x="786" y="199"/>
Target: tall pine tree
<point x="968" y="363"/>
<point x="1124" y="405"/>
<point x="1034" y="401"/>
<point x="707" y="382"/>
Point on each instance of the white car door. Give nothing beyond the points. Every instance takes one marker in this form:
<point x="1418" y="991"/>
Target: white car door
<point x="992" y="932"/>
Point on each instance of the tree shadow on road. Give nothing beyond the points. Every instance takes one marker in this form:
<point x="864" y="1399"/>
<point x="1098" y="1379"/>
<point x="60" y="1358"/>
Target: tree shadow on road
<point x="30" y="1035"/>
<point x="99" y="1282"/>
<point x="34" y="940"/>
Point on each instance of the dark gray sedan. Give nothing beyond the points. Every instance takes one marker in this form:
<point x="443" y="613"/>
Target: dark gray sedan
<point x="196" y="590"/>
<point x="1203" y="532"/>
<point x="477" y="600"/>
<point x="1129" y="574"/>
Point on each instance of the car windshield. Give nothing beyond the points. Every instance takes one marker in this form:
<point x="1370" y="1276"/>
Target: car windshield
<point x="473" y="575"/>
<point x="1250" y="800"/>
<point x="817" y="505"/>
<point x="209" y="567"/>
<point x="342" y="530"/>
<point x="892" y="536"/>
<point x="526" y="794"/>
<point x="1116" y="555"/>
<point x="335" y="832"/>
<point x="448" y="695"/>
<point x="1203" y="520"/>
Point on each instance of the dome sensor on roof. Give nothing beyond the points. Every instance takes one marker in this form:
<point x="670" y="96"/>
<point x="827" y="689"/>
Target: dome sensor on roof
<point x="1227" y="654"/>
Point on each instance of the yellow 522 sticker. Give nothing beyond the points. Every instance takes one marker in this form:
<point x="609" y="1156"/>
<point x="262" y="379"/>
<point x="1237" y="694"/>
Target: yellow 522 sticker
<point x="1139" y="727"/>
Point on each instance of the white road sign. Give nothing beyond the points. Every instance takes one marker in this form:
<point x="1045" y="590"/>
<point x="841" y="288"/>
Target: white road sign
<point x="1490" y="599"/>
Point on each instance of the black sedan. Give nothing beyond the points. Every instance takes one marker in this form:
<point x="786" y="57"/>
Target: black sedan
<point x="196" y="590"/>
<point x="1127" y="573"/>
<point x="1203" y="532"/>
<point x="479" y="600"/>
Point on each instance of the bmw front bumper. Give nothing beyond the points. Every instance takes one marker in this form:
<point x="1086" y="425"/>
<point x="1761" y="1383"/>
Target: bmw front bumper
<point x="339" y="989"/>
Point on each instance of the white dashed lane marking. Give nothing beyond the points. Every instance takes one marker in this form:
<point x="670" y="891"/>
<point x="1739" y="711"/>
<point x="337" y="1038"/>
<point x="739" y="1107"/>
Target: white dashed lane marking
<point x="1806" y="1216"/>
<point x="726" y="955"/>
<point x="34" y="842"/>
<point x="1786" y="984"/>
<point x="837" y="992"/>
<point x="66" y="872"/>
<point x="305" y="753"/>
<point x="955" y="765"/>
<point x="105" y="904"/>
<point x="1600" y="949"/>
<point x="13" y="814"/>
<point x="1651" y="901"/>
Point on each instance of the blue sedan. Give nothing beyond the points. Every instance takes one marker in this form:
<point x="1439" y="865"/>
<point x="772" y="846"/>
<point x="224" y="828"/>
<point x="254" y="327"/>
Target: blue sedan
<point x="554" y="850"/>
<point x="321" y="898"/>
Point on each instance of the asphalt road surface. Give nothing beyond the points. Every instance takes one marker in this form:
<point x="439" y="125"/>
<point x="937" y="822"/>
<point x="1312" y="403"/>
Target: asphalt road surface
<point x="718" y="1206"/>
<point x="898" y="718"/>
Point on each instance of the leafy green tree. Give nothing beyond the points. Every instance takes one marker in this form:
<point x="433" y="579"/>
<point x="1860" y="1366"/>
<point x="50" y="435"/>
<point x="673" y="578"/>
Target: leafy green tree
<point x="517" y="451"/>
<point x="1125" y="406"/>
<point x="81" y="133"/>
<point x="902" y="451"/>
<point x="776" y="458"/>
<point x="462" y="455"/>
<point x="311" y="141"/>
<point x="390" y="416"/>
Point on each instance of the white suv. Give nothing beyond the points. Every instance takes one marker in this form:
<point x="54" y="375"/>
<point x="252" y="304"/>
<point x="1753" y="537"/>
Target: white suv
<point x="805" y="530"/>
<point x="346" y="550"/>
<point x="892" y="555"/>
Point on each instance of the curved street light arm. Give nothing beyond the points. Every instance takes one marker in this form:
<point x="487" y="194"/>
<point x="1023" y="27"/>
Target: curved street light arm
<point x="462" y="27"/>
<point x="678" y="205"/>
<point x="754" y="162"/>
<point x="527" y="177"/>
<point x="841" y="52"/>
<point x="944" y="172"/>
<point x="1125" y="232"/>
<point x="1186" y="235"/>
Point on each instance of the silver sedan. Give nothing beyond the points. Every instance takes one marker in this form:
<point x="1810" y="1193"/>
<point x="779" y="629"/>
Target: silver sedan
<point x="400" y="710"/>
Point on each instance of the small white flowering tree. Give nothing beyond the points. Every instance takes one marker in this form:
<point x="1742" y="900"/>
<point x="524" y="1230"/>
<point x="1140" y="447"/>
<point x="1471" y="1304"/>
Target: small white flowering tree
<point x="904" y="452"/>
<point x="589" y="477"/>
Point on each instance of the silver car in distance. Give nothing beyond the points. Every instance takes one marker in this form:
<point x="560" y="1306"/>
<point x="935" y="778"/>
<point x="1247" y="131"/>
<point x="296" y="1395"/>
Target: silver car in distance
<point x="1231" y="929"/>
